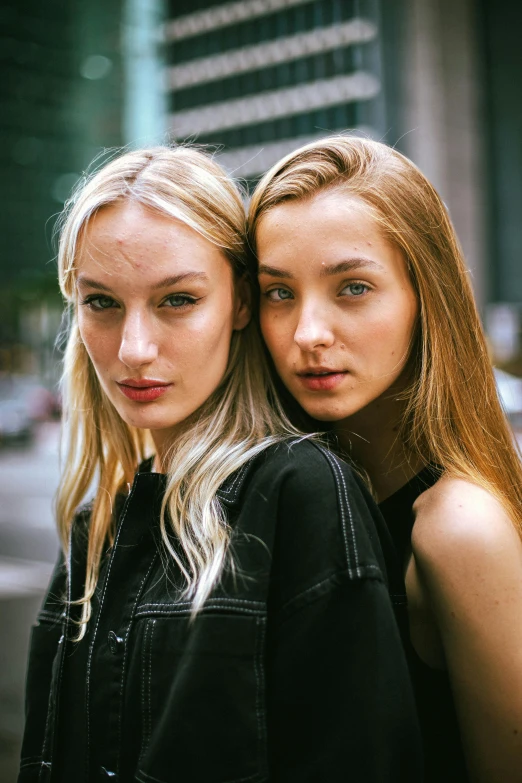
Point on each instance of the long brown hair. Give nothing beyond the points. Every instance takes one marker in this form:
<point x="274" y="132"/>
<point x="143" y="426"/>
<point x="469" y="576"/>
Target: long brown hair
<point x="453" y="416"/>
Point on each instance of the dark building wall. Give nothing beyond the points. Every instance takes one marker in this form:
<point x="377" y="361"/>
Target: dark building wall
<point x="501" y="26"/>
<point x="60" y="102"/>
<point x="393" y="38"/>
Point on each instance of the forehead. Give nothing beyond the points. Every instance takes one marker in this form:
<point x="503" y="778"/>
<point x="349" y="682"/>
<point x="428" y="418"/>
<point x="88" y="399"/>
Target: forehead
<point x="330" y="208"/>
<point x="125" y="237"/>
<point x="331" y="218"/>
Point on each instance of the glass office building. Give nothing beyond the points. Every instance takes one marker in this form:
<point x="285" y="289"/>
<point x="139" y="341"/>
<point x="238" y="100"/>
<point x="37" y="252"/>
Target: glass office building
<point x="260" y="77"/>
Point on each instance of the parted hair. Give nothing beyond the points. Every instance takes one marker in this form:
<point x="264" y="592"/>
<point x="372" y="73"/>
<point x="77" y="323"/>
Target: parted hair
<point x="239" y="420"/>
<point x="452" y="415"/>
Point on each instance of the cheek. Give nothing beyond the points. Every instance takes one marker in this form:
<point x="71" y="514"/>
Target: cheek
<point x="388" y="336"/>
<point x="204" y="341"/>
<point x="265" y="323"/>
<point x="275" y="343"/>
<point x="405" y="321"/>
<point x="275" y="334"/>
<point x="102" y="345"/>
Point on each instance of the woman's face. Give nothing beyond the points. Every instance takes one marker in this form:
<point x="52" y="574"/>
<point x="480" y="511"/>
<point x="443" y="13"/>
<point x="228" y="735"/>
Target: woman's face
<point x="338" y="309"/>
<point x="157" y="306"/>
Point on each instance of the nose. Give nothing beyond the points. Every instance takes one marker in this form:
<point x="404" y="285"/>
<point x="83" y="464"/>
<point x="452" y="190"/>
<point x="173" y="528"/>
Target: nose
<point x="313" y="330"/>
<point x="138" y="346"/>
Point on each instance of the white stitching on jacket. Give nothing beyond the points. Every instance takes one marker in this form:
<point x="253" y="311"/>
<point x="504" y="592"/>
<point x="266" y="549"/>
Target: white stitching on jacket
<point x="91" y="648"/>
<point x="336" y="470"/>
<point x="186" y="611"/>
<point x="217" y="599"/>
<point x="235" y="486"/>
<point x="132" y="615"/>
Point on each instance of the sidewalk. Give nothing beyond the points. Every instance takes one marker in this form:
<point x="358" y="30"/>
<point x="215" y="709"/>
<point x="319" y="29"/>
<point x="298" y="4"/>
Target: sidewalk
<point x="28" y="548"/>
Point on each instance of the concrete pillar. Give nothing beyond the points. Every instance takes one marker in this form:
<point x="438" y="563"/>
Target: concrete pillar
<point x="443" y="117"/>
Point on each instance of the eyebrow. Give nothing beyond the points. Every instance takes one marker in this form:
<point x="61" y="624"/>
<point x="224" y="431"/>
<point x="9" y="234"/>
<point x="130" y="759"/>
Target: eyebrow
<point x="166" y="282"/>
<point x="327" y="270"/>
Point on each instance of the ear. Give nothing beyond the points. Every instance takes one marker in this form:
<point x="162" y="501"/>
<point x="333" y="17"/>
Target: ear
<point x="243" y="303"/>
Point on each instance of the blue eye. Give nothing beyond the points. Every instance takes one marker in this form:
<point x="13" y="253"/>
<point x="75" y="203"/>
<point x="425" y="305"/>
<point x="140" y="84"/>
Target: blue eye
<point x="278" y="294"/>
<point x="355" y="289"/>
<point x="179" y="300"/>
<point x="99" y="302"/>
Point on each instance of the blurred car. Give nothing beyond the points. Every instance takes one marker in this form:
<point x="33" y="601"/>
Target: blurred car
<point x="24" y="402"/>
<point x="510" y="393"/>
<point x="16" y="425"/>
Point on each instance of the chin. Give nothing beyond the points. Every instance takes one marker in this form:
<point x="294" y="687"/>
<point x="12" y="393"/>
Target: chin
<point x="328" y="411"/>
<point x="323" y="414"/>
<point x="326" y="417"/>
<point x="146" y="420"/>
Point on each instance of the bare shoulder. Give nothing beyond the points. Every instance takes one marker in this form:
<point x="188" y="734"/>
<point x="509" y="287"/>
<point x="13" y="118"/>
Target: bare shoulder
<point x="465" y="602"/>
<point x="467" y="560"/>
<point x="457" y="519"/>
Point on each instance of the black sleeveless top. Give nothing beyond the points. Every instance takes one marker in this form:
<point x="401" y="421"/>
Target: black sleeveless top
<point x="444" y="758"/>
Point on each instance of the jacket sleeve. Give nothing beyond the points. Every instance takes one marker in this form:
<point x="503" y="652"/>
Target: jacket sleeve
<point x="340" y="705"/>
<point x="43" y="649"/>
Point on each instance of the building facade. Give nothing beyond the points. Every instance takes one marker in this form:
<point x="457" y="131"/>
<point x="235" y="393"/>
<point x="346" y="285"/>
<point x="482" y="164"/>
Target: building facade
<point x="258" y="78"/>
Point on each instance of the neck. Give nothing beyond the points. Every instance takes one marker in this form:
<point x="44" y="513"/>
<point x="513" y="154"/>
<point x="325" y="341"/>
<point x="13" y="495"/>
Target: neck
<point x="165" y="439"/>
<point x="370" y="437"/>
<point x="163" y="443"/>
<point x="157" y="465"/>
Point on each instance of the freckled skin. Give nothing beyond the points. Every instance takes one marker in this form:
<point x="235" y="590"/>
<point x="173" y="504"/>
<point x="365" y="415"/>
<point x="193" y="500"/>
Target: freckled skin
<point x="145" y="333"/>
<point x="366" y="336"/>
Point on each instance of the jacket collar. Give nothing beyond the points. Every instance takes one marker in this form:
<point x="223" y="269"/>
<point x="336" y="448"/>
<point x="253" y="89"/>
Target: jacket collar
<point x="228" y="493"/>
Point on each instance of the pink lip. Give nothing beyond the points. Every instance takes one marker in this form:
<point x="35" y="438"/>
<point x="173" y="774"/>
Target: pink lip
<point x="315" y="382"/>
<point x="143" y="390"/>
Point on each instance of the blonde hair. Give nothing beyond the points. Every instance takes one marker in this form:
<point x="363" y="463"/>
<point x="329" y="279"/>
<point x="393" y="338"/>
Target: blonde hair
<point x="453" y="417"/>
<point x="239" y="420"/>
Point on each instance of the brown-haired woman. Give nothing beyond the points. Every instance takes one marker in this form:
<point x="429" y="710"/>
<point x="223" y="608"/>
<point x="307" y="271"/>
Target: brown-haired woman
<point x="368" y="314"/>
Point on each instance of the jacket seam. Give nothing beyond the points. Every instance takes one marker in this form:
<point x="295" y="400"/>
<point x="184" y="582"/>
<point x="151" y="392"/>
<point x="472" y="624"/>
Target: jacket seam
<point x="237" y="483"/>
<point x="146" y="685"/>
<point x="91" y="648"/>
<point x="363" y="573"/>
<point x="217" y="600"/>
<point x="123" y="668"/>
<point x="143" y="670"/>
<point x="342" y="493"/>
<point x="149" y="692"/>
<point x="260" y="689"/>
<point x="61" y="651"/>
<point x="36" y="763"/>
<point x="173" y="609"/>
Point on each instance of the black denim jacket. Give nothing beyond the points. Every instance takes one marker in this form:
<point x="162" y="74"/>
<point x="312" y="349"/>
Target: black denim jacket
<point x="292" y="673"/>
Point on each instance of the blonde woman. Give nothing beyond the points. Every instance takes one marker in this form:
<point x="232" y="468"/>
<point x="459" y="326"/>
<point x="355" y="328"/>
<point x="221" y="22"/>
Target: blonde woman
<point x="220" y="613"/>
<point x="367" y="311"/>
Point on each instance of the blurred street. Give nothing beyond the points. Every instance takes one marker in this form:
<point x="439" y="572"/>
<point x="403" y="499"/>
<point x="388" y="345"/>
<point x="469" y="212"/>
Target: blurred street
<point x="28" y="549"/>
